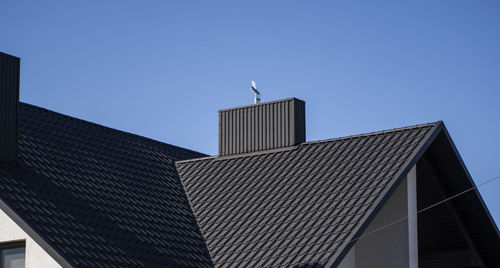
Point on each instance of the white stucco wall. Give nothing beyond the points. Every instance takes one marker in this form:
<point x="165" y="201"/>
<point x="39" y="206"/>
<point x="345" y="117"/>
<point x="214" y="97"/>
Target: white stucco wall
<point x="386" y="247"/>
<point x="36" y="257"/>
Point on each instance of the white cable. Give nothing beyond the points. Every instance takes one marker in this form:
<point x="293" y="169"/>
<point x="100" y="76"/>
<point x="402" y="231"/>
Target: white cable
<point x="426" y="208"/>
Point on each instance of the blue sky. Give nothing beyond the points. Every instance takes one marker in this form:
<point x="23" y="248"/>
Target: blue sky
<point x="162" y="69"/>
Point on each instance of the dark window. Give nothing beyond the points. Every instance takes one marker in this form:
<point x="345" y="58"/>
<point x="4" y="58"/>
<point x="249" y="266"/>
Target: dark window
<point x="12" y="255"/>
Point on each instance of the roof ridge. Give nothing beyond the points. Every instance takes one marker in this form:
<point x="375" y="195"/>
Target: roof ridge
<point x="307" y="143"/>
<point x="373" y="133"/>
<point x="108" y="128"/>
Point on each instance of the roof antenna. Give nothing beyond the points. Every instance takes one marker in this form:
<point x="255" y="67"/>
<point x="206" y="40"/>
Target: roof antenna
<point x="256" y="92"/>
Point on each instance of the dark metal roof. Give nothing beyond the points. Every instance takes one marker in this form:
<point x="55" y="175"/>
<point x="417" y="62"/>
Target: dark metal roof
<point x="93" y="196"/>
<point x="300" y="206"/>
<point x="96" y="197"/>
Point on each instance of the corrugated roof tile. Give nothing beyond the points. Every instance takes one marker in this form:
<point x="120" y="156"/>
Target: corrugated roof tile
<point x="101" y="197"/>
<point x="284" y="208"/>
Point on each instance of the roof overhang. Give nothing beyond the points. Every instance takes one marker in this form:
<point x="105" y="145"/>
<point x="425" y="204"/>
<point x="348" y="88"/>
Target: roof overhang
<point x="441" y="150"/>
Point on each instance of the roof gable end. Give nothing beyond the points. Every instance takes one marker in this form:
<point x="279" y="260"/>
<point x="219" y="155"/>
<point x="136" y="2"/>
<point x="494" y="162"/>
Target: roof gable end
<point x="299" y="206"/>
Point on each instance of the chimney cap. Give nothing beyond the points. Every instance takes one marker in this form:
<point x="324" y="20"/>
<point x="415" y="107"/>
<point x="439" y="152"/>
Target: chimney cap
<point x="261" y="103"/>
<point x="8" y="55"/>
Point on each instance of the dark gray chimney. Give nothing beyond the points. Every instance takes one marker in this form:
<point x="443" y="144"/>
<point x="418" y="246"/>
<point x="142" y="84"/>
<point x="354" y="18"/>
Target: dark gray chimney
<point x="263" y="126"/>
<point x="9" y="103"/>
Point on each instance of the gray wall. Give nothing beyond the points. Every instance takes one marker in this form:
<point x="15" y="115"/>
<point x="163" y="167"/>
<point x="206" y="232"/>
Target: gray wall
<point x="349" y="260"/>
<point x="387" y="247"/>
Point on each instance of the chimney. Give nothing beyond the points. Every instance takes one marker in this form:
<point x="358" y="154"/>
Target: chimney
<point x="9" y="103"/>
<point x="263" y="126"/>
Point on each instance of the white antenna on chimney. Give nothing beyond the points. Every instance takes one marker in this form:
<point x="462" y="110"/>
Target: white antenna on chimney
<point x="256" y="92"/>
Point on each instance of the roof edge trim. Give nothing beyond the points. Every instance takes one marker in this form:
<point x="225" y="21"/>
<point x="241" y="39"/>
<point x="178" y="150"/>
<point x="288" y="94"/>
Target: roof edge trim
<point x="194" y="216"/>
<point x="372" y="133"/>
<point x="34" y="235"/>
<point x="384" y="196"/>
<point x="307" y="143"/>
<point x="123" y="132"/>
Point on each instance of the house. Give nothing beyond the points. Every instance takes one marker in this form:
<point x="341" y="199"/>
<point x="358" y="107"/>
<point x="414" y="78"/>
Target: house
<point x="77" y="194"/>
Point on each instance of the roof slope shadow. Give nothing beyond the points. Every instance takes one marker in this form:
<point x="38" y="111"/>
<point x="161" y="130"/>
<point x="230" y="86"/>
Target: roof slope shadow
<point x="100" y="197"/>
<point x="302" y="206"/>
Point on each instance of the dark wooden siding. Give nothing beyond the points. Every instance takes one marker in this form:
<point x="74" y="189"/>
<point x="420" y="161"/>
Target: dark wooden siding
<point x="9" y="102"/>
<point x="262" y="126"/>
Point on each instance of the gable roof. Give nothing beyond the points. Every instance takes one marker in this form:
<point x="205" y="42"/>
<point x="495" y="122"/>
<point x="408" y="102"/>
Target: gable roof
<point x="94" y="196"/>
<point x="301" y="205"/>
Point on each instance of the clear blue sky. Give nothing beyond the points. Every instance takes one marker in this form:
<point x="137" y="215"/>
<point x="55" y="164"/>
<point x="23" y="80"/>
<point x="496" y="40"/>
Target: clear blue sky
<point x="162" y="69"/>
